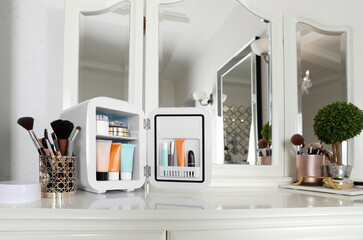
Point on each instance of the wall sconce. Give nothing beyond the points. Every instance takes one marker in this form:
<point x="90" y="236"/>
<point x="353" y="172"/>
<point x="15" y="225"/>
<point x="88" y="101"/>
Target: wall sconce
<point x="203" y="99"/>
<point x="306" y="83"/>
<point x="261" y="47"/>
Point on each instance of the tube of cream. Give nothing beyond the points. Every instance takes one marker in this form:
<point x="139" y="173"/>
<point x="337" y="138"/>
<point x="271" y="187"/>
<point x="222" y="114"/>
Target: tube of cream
<point x="103" y="148"/>
<point x="164" y="154"/>
<point x="171" y="153"/>
<point x="114" y="167"/>
<point x="127" y="160"/>
<point x="180" y="152"/>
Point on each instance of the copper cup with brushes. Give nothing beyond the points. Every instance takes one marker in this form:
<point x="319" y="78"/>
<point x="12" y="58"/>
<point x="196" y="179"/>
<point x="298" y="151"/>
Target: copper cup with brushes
<point x="264" y="150"/>
<point x="310" y="164"/>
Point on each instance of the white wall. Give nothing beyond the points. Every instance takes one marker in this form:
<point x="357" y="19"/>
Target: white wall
<point x="31" y="52"/>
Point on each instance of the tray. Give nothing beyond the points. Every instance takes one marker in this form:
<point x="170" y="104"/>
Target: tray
<point x="349" y="192"/>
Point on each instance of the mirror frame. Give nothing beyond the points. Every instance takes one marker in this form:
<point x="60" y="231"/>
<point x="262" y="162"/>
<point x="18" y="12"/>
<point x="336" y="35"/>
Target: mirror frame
<point x="275" y="173"/>
<point x="291" y="96"/>
<point x="73" y="9"/>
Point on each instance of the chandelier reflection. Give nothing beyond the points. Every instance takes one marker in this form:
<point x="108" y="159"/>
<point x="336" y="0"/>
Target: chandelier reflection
<point x="306" y="83"/>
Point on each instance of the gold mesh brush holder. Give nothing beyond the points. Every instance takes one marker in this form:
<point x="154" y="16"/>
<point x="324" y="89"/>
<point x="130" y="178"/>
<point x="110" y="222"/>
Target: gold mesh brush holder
<point x="58" y="176"/>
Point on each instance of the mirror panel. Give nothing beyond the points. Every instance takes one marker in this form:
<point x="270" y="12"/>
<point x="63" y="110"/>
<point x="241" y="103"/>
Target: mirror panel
<point x="194" y="43"/>
<point x="321" y="60"/>
<point x="104" y="53"/>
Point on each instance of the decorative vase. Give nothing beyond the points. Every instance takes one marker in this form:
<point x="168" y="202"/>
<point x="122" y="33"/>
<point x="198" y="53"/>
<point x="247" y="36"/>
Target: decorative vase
<point x="310" y="165"/>
<point x="265" y="160"/>
<point x="338" y="171"/>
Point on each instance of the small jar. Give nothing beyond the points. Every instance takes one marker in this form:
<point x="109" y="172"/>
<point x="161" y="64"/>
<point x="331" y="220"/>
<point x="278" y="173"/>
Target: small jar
<point x="102" y="125"/>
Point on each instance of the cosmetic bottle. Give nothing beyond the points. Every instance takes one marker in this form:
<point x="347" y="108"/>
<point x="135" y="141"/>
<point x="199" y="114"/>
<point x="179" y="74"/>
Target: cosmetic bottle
<point x="102" y="125"/>
<point x="164" y="154"/>
<point x="171" y="153"/>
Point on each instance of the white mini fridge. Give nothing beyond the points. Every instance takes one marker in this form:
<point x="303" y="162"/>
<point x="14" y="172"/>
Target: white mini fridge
<point x="148" y="134"/>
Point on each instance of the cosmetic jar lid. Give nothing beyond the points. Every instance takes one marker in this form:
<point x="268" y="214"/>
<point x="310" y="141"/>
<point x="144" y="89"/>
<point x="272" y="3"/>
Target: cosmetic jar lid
<point x="102" y="118"/>
<point x="119" y="134"/>
<point x="120" y="124"/>
<point x="118" y="129"/>
<point x="19" y="192"/>
<point x="113" y="176"/>
<point x="101" y="176"/>
<point x="125" y="176"/>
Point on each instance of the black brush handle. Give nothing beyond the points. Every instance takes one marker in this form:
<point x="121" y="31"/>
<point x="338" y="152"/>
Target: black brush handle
<point x="41" y="151"/>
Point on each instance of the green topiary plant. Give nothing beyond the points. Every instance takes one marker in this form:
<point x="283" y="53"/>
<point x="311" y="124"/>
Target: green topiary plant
<point x="337" y="122"/>
<point x="266" y="132"/>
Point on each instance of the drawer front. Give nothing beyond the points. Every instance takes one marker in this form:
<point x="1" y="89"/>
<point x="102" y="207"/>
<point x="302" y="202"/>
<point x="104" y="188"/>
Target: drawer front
<point x="142" y="235"/>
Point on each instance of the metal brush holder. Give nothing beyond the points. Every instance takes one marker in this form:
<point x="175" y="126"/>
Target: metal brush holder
<point x="58" y="176"/>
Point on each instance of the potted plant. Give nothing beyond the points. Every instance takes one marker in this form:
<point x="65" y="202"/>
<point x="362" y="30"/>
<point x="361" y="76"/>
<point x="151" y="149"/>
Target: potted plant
<point x="265" y="143"/>
<point x="337" y="122"/>
<point x="266" y="133"/>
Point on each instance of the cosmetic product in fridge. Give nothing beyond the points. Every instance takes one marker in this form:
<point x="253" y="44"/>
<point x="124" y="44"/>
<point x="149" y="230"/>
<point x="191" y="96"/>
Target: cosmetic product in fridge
<point x="180" y="152"/>
<point x="102" y="125"/>
<point x="62" y="129"/>
<point x="118" y="124"/>
<point x="164" y="154"/>
<point x="103" y="149"/>
<point x="27" y="123"/>
<point x="191" y="159"/>
<point x="114" y="166"/>
<point x="127" y="161"/>
<point x="118" y="131"/>
<point x="71" y="140"/>
<point x="171" y="153"/>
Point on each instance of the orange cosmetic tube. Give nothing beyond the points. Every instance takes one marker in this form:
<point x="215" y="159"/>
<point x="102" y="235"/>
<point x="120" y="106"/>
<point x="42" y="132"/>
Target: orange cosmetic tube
<point x="115" y="159"/>
<point x="180" y="152"/>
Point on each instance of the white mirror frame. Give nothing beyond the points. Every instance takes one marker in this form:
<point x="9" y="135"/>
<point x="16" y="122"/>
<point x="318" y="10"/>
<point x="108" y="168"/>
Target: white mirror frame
<point x="73" y="9"/>
<point x="291" y="80"/>
<point x="227" y="175"/>
<point x="271" y="174"/>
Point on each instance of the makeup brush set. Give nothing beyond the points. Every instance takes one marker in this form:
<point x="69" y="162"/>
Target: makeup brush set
<point x="314" y="148"/>
<point x="62" y="137"/>
<point x="57" y="167"/>
<point x="264" y="148"/>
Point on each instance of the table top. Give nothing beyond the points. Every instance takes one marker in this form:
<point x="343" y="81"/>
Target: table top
<point x="212" y="199"/>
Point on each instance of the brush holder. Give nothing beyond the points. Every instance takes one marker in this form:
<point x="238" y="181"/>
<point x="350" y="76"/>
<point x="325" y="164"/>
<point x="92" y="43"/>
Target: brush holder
<point x="310" y="165"/>
<point x="58" y="176"/>
<point x="265" y="160"/>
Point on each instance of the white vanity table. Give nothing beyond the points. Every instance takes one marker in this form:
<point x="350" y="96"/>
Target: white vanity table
<point x="213" y="213"/>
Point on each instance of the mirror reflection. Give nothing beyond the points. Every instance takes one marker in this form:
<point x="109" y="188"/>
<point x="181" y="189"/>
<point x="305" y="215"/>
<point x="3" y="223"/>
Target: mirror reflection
<point x="104" y="53"/>
<point x="194" y="43"/>
<point x="242" y="80"/>
<point x="322" y="77"/>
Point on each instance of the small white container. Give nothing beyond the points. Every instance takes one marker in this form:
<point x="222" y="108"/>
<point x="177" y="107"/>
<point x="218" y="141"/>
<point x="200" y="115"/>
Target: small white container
<point x="102" y="125"/>
<point x="19" y="192"/>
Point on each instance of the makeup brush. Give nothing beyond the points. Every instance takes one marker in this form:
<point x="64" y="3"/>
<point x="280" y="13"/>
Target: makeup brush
<point x="50" y="145"/>
<point x="45" y="146"/>
<point x="27" y="123"/>
<point x="71" y="140"/>
<point x="63" y="129"/>
<point x="56" y="146"/>
<point x="313" y="148"/>
<point x="262" y="143"/>
<point x="299" y="141"/>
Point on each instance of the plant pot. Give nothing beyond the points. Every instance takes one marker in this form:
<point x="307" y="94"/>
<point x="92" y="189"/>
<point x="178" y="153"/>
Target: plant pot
<point x="265" y="160"/>
<point x="310" y="165"/>
<point x="338" y="171"/>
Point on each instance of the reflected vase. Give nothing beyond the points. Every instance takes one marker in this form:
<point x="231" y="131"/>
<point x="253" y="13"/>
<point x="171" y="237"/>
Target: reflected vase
<point x="310" y="165"/>
<point x="265" y="160"/>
